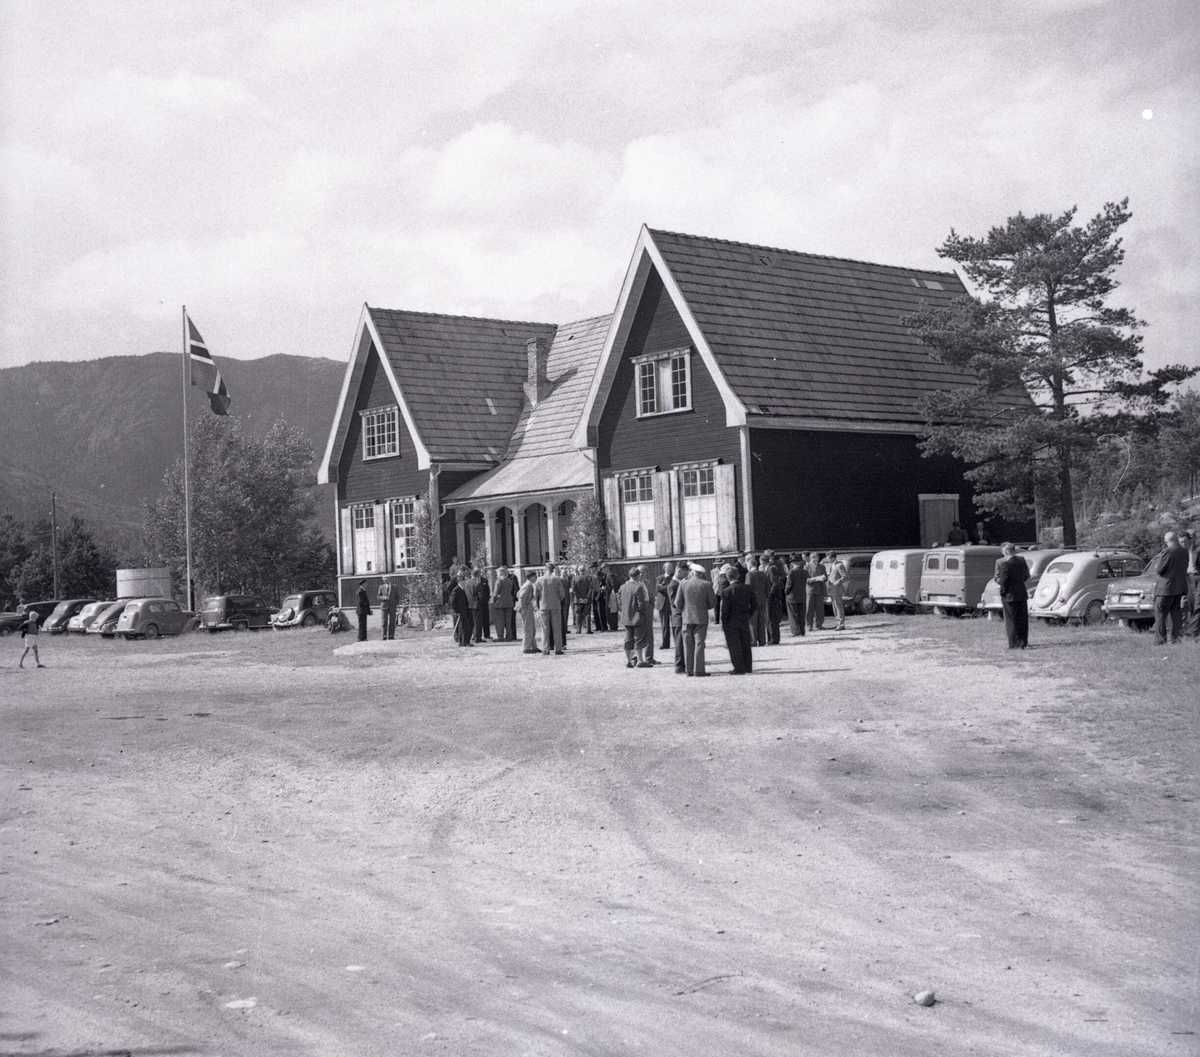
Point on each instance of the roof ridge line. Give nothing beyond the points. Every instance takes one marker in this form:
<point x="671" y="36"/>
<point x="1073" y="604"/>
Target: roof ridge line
<point x="796" y="253"/>
<point x="473" y="319"/>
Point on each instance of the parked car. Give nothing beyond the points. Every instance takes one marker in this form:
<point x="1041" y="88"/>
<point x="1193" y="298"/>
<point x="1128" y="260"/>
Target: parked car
<point x="1074" y="584"/>
<point x="9" y="622"/>
<point x="82" y="620"/>
<point x="857" y="588"/>
<point x="1037" y="560"/>
<point x="953" y="578"/>
<point x="895" y="581"/>
<point x="1131" y="600"/>
<point x="306" y="609"/>
<point x="105" y="623"/>
<point x="56" y="622"/>
<point x="236" y="612"/>
<point x="147" y="618"/>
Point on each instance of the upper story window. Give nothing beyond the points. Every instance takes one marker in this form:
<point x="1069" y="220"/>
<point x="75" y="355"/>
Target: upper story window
<point x="381" y="432"/>
<point x="664" y="382"/>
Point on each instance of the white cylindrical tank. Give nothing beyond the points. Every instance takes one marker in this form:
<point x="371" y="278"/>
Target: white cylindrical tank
<point x="144" y="583"/>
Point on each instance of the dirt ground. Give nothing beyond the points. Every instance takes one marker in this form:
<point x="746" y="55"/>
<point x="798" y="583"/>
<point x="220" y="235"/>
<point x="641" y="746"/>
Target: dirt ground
<point x="289" y="843"/>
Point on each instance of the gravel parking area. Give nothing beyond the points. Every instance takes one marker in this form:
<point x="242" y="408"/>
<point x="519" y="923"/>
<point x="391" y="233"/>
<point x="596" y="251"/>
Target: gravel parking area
<point x="291" y="843"/>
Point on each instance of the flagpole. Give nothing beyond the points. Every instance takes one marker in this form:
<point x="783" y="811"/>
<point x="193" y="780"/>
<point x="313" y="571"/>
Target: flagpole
<point x="187" y="496"/>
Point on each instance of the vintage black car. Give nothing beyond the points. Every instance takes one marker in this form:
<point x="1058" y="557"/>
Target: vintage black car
<point x="234" y="612"/>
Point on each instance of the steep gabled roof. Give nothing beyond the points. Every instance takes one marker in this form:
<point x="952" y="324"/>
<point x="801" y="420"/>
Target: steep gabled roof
<point x="542" y="455"/>
<point x="791" y="339"/>
<point x="461" y="377"/>
<point x="800" y="334"/>
<point x="457" y="380"/>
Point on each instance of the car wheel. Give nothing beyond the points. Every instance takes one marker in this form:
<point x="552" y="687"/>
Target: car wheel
<point x="868" y="605"/>
<point x="310" y="620"/>
<point x="1094" y="614"/>
<point x="150" y="631"/>
<point x="5" y="632"/>
<point x="240" y="625"/>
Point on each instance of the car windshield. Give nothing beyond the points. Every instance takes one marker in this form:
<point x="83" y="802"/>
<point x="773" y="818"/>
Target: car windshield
<point x="292" y="601"/>
<point x="1061" y="567"/>
<point x="1039" y="563"/>
<point x="212" y="603"/>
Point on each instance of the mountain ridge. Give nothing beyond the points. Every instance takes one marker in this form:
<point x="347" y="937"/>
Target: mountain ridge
<point x="101" y="433"/>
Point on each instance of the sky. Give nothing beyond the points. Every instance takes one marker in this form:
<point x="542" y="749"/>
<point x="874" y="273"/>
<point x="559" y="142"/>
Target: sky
<point x="273" y="166"/>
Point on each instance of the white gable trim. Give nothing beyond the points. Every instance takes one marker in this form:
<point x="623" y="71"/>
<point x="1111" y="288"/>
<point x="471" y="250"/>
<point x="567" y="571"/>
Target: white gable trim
<point x="646" y="255"/>
<point x="326" y="472"/>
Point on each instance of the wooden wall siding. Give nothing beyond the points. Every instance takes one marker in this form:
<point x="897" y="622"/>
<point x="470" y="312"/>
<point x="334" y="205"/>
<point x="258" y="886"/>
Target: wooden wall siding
<point x="626" y="441"/>
<point x="359" y="481"/>
<point x="850" y="490"/>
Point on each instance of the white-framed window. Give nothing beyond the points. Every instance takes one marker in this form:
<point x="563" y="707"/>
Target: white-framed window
<point x="362" y="518"/>
<point x="403" y="514"/>
<point x="664" y="383"/>
<point x="637" y="513"/>
<point x="381" y="432"/>
<point x="698" y="490"/>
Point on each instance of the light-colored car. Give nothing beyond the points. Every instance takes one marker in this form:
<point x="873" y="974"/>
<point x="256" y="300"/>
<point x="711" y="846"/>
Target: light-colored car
<point x="105" y="623"/>
<point x="895" y="582"/>
<point x="1037" y="560"/>
<point x="305" y="609"/>
<point x="82" y="620"/>
<point x="148" y="618"/>
<point x="953" y="578"/>
<point x="1131" y="600"/>
<point x="1074" y="584"/>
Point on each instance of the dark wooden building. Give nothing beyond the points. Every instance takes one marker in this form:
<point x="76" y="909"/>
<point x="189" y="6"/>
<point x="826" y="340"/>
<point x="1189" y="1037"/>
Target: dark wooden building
<point x="738" y="398"/>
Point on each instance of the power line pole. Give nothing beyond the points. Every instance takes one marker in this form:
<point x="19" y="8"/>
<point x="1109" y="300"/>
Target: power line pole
<point x="54" y="538"/>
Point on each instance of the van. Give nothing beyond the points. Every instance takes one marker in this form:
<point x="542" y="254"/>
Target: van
<point x="896" y="579"/>
<point x="953" y="578"/>
<point x="239" y="612"/>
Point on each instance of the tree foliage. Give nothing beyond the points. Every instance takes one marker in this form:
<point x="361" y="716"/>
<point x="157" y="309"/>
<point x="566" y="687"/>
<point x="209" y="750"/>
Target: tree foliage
<point x="251" y="511"/>
<point x="587" y="539"/>
<point x="425" y="588"/>
<point x="86" y="568"/>
<point x="1048" y="353"/>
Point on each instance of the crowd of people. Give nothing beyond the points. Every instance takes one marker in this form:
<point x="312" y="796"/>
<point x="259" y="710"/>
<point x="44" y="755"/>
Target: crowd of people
<point x="750" y="598"/>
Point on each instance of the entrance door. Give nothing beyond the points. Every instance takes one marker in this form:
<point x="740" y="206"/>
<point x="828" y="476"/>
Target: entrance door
<point x="938" y="514"/>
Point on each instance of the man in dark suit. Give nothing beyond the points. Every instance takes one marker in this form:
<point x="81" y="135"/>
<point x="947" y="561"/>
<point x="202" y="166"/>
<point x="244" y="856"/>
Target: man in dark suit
<point x="1012" y="571"/>
<point x="738" y="607"/>
<point x="662" y="602"/>
<point x="1170" y="566"/>
<point x="760" y="583"/>
<point x="362" y="609"/>
<point x="794" y="591"/>
<point x="675" y="615"/>
<point x="482" y="608"/>
<point x="815" y="572"/>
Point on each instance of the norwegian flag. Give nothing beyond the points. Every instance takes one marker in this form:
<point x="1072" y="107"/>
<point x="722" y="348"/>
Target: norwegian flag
<point x="202" y="371"/>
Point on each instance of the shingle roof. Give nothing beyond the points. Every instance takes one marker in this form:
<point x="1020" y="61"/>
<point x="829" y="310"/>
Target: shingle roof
<point x="461" y="378"/>
<point x="802" y="335"/>
<point x="541" y="455"/>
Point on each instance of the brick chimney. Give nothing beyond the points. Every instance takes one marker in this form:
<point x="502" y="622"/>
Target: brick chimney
<point x="537" y="385"/>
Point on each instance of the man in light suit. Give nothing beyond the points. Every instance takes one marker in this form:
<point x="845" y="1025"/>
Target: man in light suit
<point x="694" y="598"/>
<point x="551" y="595"/>
<point x="1012" y="572"/>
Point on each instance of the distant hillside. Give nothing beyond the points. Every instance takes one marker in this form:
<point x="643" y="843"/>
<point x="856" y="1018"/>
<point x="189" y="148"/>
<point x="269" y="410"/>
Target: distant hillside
<point x="101" y="433"/>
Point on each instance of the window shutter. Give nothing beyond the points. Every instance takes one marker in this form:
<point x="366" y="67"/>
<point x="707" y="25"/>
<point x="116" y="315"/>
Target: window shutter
<point x="612" y="517"/>
<point x="676" y="514"/>
<point x="726" y="507"/>
<point x="663" y="531"/>
<point x="347" y="542"/>
<point x="381" y="540"/>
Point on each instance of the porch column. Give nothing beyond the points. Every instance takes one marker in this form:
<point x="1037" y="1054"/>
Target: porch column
<point x="552" y="528"/>
<point x="489" y="534"/>
<point x="519" y="538"/>
<point x="460" y="536"/>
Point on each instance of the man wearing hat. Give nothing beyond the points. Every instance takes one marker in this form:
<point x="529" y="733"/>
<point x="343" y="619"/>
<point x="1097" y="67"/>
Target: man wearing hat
<point x="362" y="609"/>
